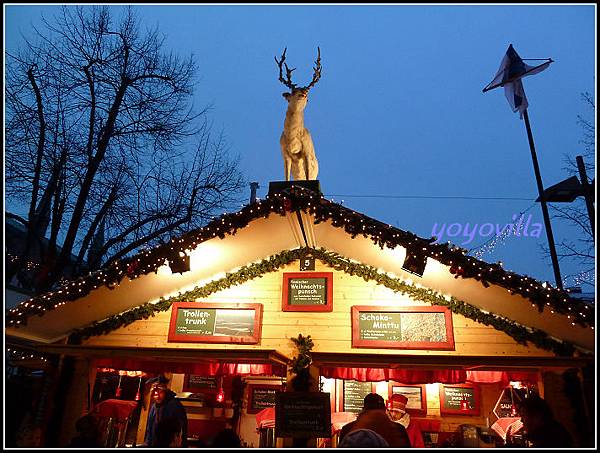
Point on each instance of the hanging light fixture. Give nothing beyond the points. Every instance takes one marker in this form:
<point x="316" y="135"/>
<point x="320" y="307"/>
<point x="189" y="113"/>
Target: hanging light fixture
<point x="221" y="393"/>
<point x="119" y="390"/>
<point x="415" y="261"/>
<point x="179" y="263"/>
<point x="513" y="406"/>
<point x="138" y="395"/>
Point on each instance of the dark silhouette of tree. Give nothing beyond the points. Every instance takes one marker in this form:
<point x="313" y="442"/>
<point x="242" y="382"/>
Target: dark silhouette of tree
<point x="581" y="249"/>
<point x="104" y="145"/>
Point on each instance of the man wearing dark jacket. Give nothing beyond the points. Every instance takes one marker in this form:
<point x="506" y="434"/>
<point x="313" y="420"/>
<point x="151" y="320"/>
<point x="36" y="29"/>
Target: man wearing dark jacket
<point x="374" y="417"/>
<point x="541" y="428"/>
<point x="165" y="405"/>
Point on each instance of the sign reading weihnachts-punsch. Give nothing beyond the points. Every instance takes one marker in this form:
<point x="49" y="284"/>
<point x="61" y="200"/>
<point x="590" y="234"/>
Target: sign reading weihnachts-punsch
<point x="307" y="291"/>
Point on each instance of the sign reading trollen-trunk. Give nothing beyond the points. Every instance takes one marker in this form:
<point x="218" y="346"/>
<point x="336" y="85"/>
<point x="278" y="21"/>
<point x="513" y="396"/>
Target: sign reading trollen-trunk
<point x="215" y="322"/>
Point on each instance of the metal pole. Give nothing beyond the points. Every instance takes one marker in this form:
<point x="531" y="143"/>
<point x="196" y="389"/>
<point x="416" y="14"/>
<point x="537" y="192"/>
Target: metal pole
<point x="540" y="186"/>
<point x="253" y="187"/>
<point x="587" y="193"/>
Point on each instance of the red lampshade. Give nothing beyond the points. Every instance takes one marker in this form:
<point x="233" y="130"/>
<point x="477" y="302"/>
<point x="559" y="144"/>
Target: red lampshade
<point x="220" y="395"/>
<point x="137" y="395"/>
<point x="118" y="392"/>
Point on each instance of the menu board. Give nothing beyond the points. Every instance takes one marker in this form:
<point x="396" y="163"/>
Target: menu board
<point x="452" y="397"/>
<point x="215" y="323"/>
<point x="261" y="396"/>
<point x="354" y="395"/>
<point x="307" y="291"/>
<point x="407" y="327"/>
<point x="302" y="414"/>
<point x="196" y="381"/>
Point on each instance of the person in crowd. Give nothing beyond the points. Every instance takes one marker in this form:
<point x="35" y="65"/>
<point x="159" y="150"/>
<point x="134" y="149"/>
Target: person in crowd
<point x="399" y="415"/>
<point x="169" y="433"/>
<point x="374" y="417"/>
<point x="164" y="405"/>
<point x="541" y="429"/>
<point x="361" y="438"/>
<point x="87" y="435"/>
<point x="227" y="438"/>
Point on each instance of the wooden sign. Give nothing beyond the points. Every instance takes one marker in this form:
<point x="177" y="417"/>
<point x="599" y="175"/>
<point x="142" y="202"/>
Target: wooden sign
<point x="261" y="396"/>
<point x="307" y="291"/>
<point x="201" y="322"/>
<point x="196" y="382"/>
<point x="416" y="394"/>
<point x="354" y="395"/>
<point x="402" y="327"/>
<point x="302" y="414"/>
<point x="459" y="399"/>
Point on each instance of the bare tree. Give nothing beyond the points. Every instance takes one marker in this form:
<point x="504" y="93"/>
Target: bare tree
<point x="580" y="250"/>
<point x="104" y="145"/>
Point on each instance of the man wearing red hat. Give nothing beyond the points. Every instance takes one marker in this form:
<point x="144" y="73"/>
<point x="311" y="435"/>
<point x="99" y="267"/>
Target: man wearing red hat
<point x="399" y="415"/>
<point x="374" y="422"/>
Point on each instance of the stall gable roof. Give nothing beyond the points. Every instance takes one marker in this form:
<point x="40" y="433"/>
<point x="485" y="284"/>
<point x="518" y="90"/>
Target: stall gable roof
<point x="322" y="223"/>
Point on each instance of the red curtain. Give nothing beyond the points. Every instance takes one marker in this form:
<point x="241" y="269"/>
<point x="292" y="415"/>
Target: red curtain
<point x="503" y="377"/>
<point x="202" y="369"/>
<point x="426" y="376"/>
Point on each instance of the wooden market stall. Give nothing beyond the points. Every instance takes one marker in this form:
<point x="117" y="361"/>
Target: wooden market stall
<point x="388" y="312"/>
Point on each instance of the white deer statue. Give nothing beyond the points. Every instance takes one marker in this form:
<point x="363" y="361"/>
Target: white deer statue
<point x="297" y="148"/>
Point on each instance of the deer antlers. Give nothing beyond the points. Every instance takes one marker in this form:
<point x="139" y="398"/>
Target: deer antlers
<point x="317" y="71"/>
<point x="288" y="83"/>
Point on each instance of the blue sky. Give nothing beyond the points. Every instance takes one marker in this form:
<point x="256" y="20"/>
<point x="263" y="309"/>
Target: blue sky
<point x="399" y="111"/>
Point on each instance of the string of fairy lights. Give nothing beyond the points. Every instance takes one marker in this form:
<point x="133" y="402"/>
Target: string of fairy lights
<point x="489" y="246"/>
<point x="541" y="294"/>
<point x="27" y="265"/>
<point x="585" y="277"/>
<point x="16" y="355"/>
<point x="498" y="240"/>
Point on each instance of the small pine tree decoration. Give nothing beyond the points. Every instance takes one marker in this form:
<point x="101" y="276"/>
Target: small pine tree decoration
<point x="301" y="363"/>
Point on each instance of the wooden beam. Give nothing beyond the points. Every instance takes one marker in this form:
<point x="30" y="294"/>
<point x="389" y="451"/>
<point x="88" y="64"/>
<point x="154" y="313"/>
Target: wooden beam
<point x="170" y="354"/>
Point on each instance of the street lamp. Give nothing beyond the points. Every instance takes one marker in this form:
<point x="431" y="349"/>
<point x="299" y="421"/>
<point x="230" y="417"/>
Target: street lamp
<point x="569" y="189"/>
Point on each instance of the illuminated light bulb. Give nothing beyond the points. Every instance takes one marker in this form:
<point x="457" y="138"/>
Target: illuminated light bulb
<point x="220" y="396"/>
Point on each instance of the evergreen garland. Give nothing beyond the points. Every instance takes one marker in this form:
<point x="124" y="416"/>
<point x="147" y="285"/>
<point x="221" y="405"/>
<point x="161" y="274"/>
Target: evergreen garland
<point x="519" y="333"/>
<point x="298" y="198"/>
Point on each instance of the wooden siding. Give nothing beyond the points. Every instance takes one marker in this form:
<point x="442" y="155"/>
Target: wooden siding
<point x="331" y="332"/>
